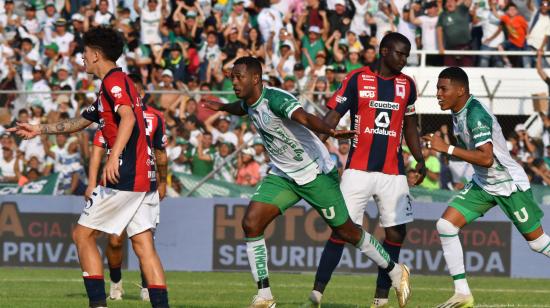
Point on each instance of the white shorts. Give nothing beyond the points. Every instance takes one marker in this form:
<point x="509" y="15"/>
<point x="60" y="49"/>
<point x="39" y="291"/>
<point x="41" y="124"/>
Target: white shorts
<point x="390" y="192"/>
<point x="112" y="211"/>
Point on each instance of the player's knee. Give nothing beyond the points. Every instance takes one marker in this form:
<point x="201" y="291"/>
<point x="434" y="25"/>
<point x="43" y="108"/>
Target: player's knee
<point x="250" y="227"/>
<point x="396" y="234"/>
<point x="446" y="227"/>
<point x="79" y="235"/>
<point x="115" y="242"/>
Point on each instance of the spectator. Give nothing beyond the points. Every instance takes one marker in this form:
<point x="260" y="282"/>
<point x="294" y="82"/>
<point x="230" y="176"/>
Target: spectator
<point x="218" y="125"/>
<point x="202" y="156"/>
<point x="359" y="23"/>
<point x="225" y="166"/>
<point x="103" y="17"/>
<point x="179" y="155"/>
<point x="30" y="22"/>
<point x="453" y="32"/>
<point x="61" y="38"/>
<point x="312" y="44"/>
<point x="539" y="29"/>
<point x="7" y="166"/>
<point x="526" y="149"/>
<point x="428" y="26"/>
<point x="408" y="29"/>
<point x="516" y="27"/>
<point x="433" y="168"/>
<point x="248" y="170"/>
<point x="493" y="36"/>
<point x="150" y="17"/>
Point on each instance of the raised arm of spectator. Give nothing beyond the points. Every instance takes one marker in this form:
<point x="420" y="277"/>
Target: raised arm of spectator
<point x="18" y="166"/>
<point x="300" y="25"/>
<point x="440" y="42"/>
<point x="158" y="55"/>
<point x="182" y="106"/>
<point x="540" y="70"/>
<point x="414" y="20"/>
<point x="200" y="150"/>
<point x="280" y="66"/>
<point x="394" y="9"/>
<point x="209" y="122"/>
<point x="47" y="146"/>
<point x="164" y="8"/>
<point x="240" y="31"/>
<point x="530" y="6"/>
<point x="269" y="45"/>
<point x="326" y="25"/>
<point x="137" y="8"/>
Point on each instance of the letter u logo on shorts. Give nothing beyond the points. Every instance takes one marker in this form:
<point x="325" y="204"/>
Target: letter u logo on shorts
<point x="330" y="214"/>
<point x="525" y="215"/>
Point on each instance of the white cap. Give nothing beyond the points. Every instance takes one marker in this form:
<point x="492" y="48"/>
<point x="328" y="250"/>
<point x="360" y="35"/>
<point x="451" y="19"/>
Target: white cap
<point x="315" y="29"/>
<point x="77" y="17"/>
<point x="341" y="2"/>
<point x="167" y="73"/>
<point x="248" y="151"/>
<point x="520" y="127"/>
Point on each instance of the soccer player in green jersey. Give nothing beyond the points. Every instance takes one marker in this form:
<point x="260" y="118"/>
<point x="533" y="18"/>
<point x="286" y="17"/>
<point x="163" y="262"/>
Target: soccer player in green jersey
<point x="301" y="169"/>
<point x="498" y="179"/>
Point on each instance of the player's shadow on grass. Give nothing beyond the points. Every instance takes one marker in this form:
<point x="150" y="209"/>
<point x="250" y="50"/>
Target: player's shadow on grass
<point x="77" y="295"/>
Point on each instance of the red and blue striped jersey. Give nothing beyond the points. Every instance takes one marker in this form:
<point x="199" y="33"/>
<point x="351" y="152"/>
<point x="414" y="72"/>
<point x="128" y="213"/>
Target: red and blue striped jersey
<point x="137" y="167"/>
<point x="155" y="127"/>
<point x="377" y="108"/>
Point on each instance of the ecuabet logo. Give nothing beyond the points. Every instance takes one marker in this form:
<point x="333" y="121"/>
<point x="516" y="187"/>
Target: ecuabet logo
<point x="116" y="91"/>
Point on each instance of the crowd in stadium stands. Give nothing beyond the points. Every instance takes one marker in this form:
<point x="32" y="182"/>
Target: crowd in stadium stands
<point x="186" y="46"/>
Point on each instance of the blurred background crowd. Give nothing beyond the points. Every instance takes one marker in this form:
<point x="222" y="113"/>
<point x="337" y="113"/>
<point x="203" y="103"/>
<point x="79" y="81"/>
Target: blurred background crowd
<point x="184" y="50"/>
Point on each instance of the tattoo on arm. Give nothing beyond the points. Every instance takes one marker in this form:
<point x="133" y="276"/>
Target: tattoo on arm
<point x="65" y="126"/>
<point x="162" y="165"/>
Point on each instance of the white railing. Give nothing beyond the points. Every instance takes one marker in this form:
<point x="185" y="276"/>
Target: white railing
<point x="424" y="53"/>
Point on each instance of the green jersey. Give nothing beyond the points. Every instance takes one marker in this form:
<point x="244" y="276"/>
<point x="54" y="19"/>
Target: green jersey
<point x="295" y="152"/>
<point x="474" y="126"/>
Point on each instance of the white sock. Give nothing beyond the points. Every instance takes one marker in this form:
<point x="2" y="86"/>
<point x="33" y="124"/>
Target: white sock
<point x="541" y="245"/>
<point x="257" y="257"/>
<point x="452" y="251"/>
<point x="372" y="248"/>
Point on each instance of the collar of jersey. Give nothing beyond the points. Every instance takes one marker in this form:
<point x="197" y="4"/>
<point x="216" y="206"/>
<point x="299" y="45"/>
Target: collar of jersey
<point x="259" y="99"/>
<point x="112" y="71"/>
<point x="465" y="105"/>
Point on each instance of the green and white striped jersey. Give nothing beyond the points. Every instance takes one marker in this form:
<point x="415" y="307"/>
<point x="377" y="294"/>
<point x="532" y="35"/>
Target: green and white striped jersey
<point x="473" y="126"/>
<point x="295" y="151"/>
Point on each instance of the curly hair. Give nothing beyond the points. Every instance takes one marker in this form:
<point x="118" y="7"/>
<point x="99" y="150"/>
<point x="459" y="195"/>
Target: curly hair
<point x="105" y="39"/>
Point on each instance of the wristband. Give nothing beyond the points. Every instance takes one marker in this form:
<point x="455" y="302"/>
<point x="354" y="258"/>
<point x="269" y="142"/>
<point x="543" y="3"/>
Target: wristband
<point x="451" y="149"/>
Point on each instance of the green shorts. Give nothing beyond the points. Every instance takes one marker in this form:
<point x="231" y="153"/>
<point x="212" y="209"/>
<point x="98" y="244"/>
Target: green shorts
<point x="520" y="207"/>
<point x="323" y="194"/>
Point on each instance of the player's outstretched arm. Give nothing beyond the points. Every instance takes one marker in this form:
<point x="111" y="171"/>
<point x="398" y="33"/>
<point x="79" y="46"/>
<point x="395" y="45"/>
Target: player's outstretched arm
<point x="331" y="119"/>
<point x="481" y="156"/>
<point x="410" y="127"/>
<point x="318" y="126"/>
<point x="161" y="160"/>
<point x="233" y="108"/>
<point x="28" y="131"/>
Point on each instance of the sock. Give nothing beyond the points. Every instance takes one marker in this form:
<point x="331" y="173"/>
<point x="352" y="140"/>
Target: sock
<point x="541" y="245"/>
<point x="329" y="260"/>
<point x="95" y="288"/>
<point x="372" y="248"/>
<point x="158" y="296"/>
<point x="143" y="281"/>
<point x="115" y="273"/>
<point x="452" y="251"/>
<point x="257" y="257"/>
<point x="379" y="302"/>
<point x="383" y="282"/>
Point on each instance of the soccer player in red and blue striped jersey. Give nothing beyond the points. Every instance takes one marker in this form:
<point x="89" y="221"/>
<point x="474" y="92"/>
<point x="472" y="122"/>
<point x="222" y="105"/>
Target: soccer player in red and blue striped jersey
<point x="380" y="100"/>
<point x="128" y="200"/>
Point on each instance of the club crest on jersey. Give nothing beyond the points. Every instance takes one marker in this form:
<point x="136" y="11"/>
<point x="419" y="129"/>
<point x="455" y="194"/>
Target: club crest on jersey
<point x="116" y="91"/>
<point x="266" y="119"/>
<point x="400" y="90"/>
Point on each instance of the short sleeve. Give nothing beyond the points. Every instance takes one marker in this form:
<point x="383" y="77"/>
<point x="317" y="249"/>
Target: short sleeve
<point x="480" y="125"/>
<point x="346" y="94"/>
<point x="116" y="89"/>
<point x="284" y="105"/>
<point x="159" y="136"/>
<point x="99" y="140"/>
<point x="91" y="113"/>
<point x="411" y="109"/>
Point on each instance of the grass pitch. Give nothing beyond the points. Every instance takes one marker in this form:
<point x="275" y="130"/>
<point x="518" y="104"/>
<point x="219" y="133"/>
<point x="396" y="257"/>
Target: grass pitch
<point x="64" y="288"/>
